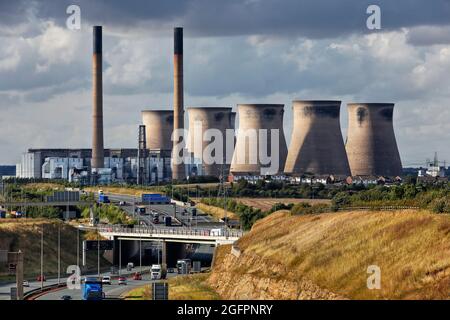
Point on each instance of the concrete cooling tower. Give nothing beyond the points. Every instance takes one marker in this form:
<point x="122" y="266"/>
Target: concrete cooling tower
<point x="316" y="145"/>
<point x="200" y="120"/>
<point x="246" y="157"/>
<point x="371" y="145"/>
<point x="158" y="128"/>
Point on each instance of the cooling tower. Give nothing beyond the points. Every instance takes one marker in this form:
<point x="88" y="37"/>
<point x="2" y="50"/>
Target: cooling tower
<point x="371" y="145"/>
<point x="178" y="170"/>
<point x="200" y="120"/>
<point x="247" y="156"/>
<point x="158" y="128"/>
<point x="316" y="145"/>
<point x="97" y="106"/>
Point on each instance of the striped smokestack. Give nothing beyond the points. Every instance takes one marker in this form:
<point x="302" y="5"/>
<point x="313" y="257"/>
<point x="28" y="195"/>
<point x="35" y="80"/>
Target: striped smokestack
<point x="97" y="95"/>
<point x="178" y="170"/>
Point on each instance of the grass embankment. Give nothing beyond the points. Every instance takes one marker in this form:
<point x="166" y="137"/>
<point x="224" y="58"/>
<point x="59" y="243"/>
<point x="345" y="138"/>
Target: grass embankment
<point x="192" y="287"/>
<point x="25" y="235"/>
<point x="334" y="250"/>
<point x="137" y="192"/>
<point x="266" y="204"/>
<point x="216" y="212"/>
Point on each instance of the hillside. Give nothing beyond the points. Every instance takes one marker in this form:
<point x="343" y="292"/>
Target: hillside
<point x="326" y="257"/>
<point x="25" y="234"/>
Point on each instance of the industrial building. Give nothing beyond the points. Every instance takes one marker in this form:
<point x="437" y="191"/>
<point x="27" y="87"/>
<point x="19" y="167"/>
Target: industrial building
<point x="255" y="119"/>
<point x="371" y="146"/>
<point x="316" y="143"/>
<point x="75" y="165"/>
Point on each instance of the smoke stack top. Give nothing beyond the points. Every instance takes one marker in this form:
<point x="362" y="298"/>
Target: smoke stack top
<point x="97" y="37"/>
<point x="178" y="40"/>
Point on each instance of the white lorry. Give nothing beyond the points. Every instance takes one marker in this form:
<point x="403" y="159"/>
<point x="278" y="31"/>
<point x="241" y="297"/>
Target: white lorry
<point x="158" y="272"/>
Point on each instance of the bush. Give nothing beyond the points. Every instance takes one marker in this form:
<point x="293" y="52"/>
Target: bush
<point x="305" y="208"/>
<point x="440" y="205"/>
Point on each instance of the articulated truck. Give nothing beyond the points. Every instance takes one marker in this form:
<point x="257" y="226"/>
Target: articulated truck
<point x="92" y="289"/>
<point x="158" y="272"/>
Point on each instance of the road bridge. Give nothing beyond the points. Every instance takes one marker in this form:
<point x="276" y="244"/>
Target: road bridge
<point x="168" y="234"/>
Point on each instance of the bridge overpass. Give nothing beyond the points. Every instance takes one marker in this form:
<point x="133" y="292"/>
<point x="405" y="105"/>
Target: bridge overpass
<point x="169" y="234"/>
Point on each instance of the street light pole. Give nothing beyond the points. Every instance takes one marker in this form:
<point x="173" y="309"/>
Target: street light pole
<point x="140" y="255"/>
<point x="59" y="253"/>
<point x="42" y="256"/>
<point x="98" y="254"/>
<point x="120" y="255"/>
<point x="78" y="247"/>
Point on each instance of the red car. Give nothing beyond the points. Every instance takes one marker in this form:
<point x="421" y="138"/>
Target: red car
<point x="41" y="279"/>
<point x="137" y="276"/>
<point x="122" y="280"/>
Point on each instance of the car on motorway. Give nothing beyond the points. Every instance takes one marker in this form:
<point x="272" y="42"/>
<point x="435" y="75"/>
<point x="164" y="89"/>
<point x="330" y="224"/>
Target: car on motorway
<point x="26" y="283"/>
<point x="122" y="280"/>
<point x="122" y="203"/>
<point x="41" y="278"/>
<point x="137" y="276"/>
<point x="106" y="280"/>
<point x="66" y="297"/>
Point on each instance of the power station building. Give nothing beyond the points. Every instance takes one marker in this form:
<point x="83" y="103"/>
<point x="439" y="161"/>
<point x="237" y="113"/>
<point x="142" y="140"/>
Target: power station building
<point x="258" y="149"/>
<point x="75" y="165"/>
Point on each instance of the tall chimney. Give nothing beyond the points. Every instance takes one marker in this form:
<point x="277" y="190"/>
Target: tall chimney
<point x="97" y="95"/>
<point x="178" y="170"/>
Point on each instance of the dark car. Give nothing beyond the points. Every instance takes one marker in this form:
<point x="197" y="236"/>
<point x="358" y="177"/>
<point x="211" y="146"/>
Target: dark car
<point x="41" y="278"/>
<point x="137" y="276"/>
<point x="66" y="297"/>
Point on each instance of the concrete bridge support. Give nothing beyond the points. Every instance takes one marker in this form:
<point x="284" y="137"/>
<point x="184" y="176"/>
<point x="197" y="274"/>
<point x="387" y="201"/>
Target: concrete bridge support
<point x="171" y="252"/>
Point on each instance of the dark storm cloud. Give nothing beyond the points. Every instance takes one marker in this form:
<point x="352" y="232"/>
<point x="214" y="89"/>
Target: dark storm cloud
<point x="310" y="18"/>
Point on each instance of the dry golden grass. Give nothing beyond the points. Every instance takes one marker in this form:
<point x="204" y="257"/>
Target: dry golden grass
<point x="43" y="186"/>
<point x="265" y="204"/>
<point x="216" y="212"/>
<point x="122" y="190"/>
<point x="412" y="248"/>
<point x="191" y="287"/>
<point x="140" y="293"/>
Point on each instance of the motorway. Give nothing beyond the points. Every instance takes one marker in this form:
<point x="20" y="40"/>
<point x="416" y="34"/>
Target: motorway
<point x="6" y="287"/>
<point x="113" y="291"/>
<point x="199" y="220"/>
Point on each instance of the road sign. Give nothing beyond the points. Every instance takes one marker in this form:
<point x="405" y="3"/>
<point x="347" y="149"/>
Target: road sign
<point x="94" y="244"/>
<point x="160" y="291"/>
<point x="13" y="293"/>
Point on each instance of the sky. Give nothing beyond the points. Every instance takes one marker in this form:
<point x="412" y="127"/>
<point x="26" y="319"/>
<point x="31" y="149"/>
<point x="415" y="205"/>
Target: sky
<point x="248" y="51"/>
